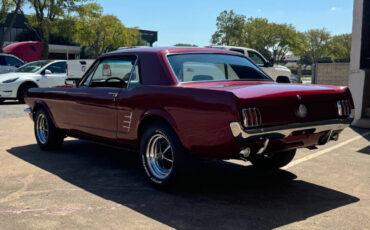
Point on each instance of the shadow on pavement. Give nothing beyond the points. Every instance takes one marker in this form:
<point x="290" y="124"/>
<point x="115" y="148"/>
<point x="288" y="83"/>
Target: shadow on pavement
<point x="10" y="102"/>
<point x="365" y="150"/>
<point x="361" y="131"/>
<point x="224" y="195"/>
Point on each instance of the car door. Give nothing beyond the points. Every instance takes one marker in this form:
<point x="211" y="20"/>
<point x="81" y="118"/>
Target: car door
<point x="53" y="75"/>
<point x="94" y="108"/>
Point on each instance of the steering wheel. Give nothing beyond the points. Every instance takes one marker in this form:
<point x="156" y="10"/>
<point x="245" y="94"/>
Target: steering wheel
<point x="114" y="78"/>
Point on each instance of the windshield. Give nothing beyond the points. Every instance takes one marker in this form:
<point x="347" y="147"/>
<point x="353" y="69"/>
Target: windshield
<point x="214" y="67"/>
<point x="32" y="67"/>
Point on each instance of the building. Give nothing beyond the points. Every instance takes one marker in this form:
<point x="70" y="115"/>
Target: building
<point x="18" y="28"/>
<point x="56" y="51"/>
<point x="60" y="50"/>
<point x="149" y="36"/>
<point x="359" y="80"/>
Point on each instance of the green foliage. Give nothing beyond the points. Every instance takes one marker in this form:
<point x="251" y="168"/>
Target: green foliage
<point x="230" y="27"/>
<point x="270" y="39"/>
<point x="340" y="47"/>
<point x="47" y="18"/>
<point x="317" y="44"/>
<point x="104" y="33"/>
<point x="6" y="6"/>
<point x="277" y="40"/>
<point x="185" y="44"/>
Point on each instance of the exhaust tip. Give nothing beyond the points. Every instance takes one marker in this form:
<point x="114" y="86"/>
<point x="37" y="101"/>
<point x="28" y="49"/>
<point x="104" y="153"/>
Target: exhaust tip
<point x="244" y="153"/>
<point x="335" y="137"/>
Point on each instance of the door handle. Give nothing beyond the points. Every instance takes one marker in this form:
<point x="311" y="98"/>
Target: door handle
<point x="114" y="94"/>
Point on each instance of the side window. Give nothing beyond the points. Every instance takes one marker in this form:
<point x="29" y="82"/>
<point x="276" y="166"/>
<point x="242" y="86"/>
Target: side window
<point x="13" y="61"/>
<point x="59" y="67"/>
<point x="111" y="73"/>
<point x="256" y="58"/>
<point x="196" y="71"/>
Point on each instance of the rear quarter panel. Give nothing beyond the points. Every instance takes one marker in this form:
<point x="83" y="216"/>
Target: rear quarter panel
<point x="199" y="117"/>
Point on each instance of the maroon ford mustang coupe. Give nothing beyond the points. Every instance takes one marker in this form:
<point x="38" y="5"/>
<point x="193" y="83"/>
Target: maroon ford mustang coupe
<point x="176" y="104"/>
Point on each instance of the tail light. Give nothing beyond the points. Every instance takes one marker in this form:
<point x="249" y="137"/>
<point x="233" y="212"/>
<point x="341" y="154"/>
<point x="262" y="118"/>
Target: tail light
<point x="251" y="117"/>
<point x="344" y="108"/>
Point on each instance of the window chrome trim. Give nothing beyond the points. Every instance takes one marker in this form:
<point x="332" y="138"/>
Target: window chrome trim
<point x="132" y="72"/>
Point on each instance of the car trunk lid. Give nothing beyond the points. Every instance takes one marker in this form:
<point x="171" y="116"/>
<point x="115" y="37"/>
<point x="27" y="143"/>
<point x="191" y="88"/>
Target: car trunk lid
<point x="278" y="103"/>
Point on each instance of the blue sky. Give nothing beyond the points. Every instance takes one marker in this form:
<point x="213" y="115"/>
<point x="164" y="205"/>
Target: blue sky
<point x="194" y="21"/>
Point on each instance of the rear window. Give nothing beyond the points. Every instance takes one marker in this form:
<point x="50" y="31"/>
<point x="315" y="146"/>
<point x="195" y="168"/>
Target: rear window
<point x="214" y="67"/>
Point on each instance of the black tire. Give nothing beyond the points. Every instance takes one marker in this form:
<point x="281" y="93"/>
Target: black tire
<point x="274" y="162"/>
<point x="181" y="160"/>
<point x="1" y="101"/>
<point x="53" y="137"/>
<point x="22" y="92"/>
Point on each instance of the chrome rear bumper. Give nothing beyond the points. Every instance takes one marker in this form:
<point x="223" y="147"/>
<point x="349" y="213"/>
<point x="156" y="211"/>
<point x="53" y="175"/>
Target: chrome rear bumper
<point x="251" y="135"/>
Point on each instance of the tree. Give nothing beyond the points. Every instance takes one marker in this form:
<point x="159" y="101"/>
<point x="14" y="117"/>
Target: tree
<point x="6" y="6"/>
<point x="340" y="47"/>
<point x="317" y="43"/>
<point x="104" y="33"/>
<point x="272" y="39"/>
<point x="185" y="44"/>
<point x="48" y="14"/>
<point x="285" y="39"/>
<point x="230" y="29"/>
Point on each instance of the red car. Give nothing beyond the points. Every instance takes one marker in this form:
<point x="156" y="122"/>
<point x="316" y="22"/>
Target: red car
<point x="177" y="104"/>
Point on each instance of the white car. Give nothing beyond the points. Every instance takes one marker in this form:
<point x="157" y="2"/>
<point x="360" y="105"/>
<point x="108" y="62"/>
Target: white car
<point x="77" y="68"/>
<point x="45" y="73"/>
<point x="279" y="73"/>
<point x="9" y="63"/>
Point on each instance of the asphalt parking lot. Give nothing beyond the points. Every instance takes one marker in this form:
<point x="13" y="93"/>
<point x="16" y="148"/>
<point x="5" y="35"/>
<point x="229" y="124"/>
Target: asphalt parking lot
<point x="89" y="186"/>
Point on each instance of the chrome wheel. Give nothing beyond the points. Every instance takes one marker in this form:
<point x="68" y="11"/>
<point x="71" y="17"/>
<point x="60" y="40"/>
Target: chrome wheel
<point x="159" y="156"/>
<point x="42" y="129"/>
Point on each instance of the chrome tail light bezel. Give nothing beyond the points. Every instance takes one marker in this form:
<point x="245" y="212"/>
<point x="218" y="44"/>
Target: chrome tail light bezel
<point x="344" y="108"/>
<point x="251" y="117"/>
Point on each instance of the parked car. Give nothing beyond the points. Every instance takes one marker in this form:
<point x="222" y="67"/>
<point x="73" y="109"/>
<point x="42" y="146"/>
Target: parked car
<point x="9" y="63"/>
<point x="45" y="73"/>
<point x="178" y="104"/>
<point x="279" y="73"/>
<point x="77" y="68"/>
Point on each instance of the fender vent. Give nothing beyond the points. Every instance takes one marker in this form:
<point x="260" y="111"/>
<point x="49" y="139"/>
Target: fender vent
<point x="251" y="117"/>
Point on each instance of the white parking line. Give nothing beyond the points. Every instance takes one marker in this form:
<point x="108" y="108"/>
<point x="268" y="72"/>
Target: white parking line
<point x="314" y="155"/>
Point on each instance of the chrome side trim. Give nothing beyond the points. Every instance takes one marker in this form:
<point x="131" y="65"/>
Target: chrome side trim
<point x="282" y="131"/>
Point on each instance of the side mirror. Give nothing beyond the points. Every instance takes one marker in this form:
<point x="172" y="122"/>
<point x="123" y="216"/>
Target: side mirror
<point x="46" y="71"/>
<point x="70" y="82"/>
<point x="271" y="62"/>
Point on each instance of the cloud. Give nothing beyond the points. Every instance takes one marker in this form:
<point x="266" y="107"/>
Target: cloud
<point x="333" y="9"/>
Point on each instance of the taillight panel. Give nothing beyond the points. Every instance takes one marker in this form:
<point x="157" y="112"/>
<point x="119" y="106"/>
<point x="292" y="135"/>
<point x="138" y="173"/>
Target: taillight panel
<point x="251" y="117"/>
<point x="344" y="108"/>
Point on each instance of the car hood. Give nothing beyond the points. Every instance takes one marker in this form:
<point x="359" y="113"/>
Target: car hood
<point x="281" y="67"/>
<point x="6" y="76"/>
